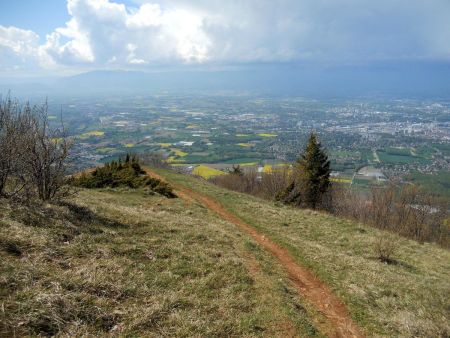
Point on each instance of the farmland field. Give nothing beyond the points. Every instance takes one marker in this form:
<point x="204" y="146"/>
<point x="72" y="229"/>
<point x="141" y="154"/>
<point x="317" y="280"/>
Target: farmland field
<point x="399" y="156"/>
<point x="434" y="183"/>
<point x="206" y="172"/>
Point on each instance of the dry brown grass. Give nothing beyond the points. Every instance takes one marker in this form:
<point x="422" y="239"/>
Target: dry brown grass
<point x="124" y="263"/>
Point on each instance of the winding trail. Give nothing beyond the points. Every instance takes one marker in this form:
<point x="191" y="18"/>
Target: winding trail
<point x="338" y="322"/>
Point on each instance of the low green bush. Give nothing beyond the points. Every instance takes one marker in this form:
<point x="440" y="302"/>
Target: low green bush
<point x="120" y="173"/>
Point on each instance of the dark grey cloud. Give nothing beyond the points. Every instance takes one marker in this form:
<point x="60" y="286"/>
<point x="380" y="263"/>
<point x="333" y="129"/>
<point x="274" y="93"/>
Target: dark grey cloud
<point x="104" y="34"/>
<point x="327" y="30"/>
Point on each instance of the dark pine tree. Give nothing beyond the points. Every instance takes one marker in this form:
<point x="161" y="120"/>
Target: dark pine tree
<point x="237" y="170"/>
<point x="312" y="177"/>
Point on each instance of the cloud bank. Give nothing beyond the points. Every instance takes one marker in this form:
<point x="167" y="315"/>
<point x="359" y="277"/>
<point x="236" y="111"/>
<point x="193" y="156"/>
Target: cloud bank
<point x="104" y="34"/>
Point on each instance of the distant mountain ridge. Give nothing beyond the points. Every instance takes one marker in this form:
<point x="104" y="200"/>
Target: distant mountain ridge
<point x="407" y="78"/>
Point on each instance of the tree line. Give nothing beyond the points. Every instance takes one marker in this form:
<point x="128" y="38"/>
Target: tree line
<point x="403" y="209"/>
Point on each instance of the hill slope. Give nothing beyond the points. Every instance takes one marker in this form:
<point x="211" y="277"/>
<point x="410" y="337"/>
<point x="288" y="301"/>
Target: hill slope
<point x="407" y="298"/>
<point x="128" y="263"/>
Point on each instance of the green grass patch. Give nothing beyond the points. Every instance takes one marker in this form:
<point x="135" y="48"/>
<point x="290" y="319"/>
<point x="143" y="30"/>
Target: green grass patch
<point x="409" y="298"/>
<point x="420" y="155"/>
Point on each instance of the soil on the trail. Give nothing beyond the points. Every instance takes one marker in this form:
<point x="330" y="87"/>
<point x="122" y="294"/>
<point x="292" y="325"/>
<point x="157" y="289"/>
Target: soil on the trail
<point x="338" y="322"/>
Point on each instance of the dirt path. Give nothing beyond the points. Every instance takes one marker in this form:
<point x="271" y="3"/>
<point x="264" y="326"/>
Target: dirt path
<point x="338" y="322"/>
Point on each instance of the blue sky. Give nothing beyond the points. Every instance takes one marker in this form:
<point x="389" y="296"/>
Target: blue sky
<point x="42" y="17"/>
<point x="49" y="37"/>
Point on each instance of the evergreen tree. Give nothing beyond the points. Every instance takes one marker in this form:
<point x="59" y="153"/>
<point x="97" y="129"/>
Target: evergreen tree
<point x="237" y="170"/>
<point x="311" y="178"/>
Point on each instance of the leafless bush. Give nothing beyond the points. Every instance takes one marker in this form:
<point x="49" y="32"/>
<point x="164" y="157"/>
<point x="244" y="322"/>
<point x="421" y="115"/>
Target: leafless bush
<point x="14" y="127"/>
<point x="34" y="155"/>
<point x="154" y="160"/>
<point x="420" y="215"/>
<point x="265" y="185"/>
<point x="346" y="203"/>
<point x="405" y="210"/>
<point x="245" y="182"/>
<point x="382" y="205"/>
<point x="46" y="155"/>
<point x="274" y="182"/>
<point x="385" y="247"/>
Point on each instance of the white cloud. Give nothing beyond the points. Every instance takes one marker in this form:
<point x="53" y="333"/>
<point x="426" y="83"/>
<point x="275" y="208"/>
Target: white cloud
<point x="102" y="33"/>
<point x="18" y="48"/>
<point x="19" y="41"/>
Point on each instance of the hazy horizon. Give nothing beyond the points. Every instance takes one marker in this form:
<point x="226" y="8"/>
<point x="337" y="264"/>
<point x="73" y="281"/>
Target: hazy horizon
<point x="351" y="47"/>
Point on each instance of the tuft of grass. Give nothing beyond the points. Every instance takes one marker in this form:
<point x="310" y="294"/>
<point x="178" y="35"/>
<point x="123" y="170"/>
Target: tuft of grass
<point x="11" y="246"/>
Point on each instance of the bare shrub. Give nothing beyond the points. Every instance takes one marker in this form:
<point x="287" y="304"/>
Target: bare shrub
<point x="13" y="128"/>
<point x="264" y="185"/>
<point x="274" y="182"/>
<point x="34" y="155"/>
<point x="245" y="182"/>
<point x="405" y="210"/>
<point x="154" y="160"/>
<point x="385" y="246"/>
<point x="46" y="157"/>
<point x="248" y="181"/>
<point x="382" y="206"/>
<point x="420" y="215"/>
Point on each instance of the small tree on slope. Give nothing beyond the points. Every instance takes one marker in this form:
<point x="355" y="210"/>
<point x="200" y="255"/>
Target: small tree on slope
<point x="311" y="177"/>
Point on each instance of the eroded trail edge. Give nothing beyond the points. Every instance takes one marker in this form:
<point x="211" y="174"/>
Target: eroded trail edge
<point x="338" y="322"/>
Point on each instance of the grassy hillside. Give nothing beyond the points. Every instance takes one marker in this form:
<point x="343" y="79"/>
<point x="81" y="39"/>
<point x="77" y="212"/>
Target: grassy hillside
<point x="408" y="298"/>
<point x="127" y="263"/>
<point x="124" y="262"/>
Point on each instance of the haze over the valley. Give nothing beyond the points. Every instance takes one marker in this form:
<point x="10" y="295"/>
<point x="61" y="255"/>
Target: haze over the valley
<point x="296" y="47"/>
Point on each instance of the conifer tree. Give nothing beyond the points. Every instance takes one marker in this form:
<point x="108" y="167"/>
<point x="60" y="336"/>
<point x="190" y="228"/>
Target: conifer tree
<point x="236" y="170"/>
<point x="311" y="178"/>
